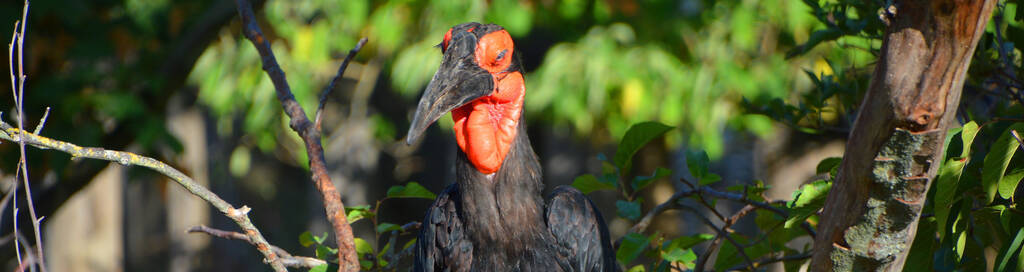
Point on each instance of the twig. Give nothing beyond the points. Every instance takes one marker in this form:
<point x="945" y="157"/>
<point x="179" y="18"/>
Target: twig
<point x="393" y="258"/>
<point x="318" y="118"/>
<point x="42" y="121"/>
<point x="287" y="258"/>
<point x="672" y="203"/>
<point x="20" y="103"/>
<point x="240" y="216"/>
<point x="771" y="260"/>
<point x="722" y="233"/>
<point x="335" y="209"/>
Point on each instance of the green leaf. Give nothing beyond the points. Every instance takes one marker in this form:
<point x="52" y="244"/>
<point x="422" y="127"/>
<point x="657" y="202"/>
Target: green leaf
<point x="709" y="179"/>
<point x="325" y="252"/>
<point x="685" y="242"/>
<point x="729" y="256"/>
<point x="387" y="227"/>
<point x="320" y="239"/>
<point x="1008" y="184"/>
<point x="362" y="247"/>
<point x="807" y="201"/>
<point x="410" y="190"/>
<point x="632" y="245"/>
<point x="319" y="268"/>
<point x="354" y="213"/>
<point x="1014" y="246"/>
<point x="629" y="209"/>
<point x="945" y="190"/>
<point x="970" y="130"/>
<point x="365" y="264"/>
<point x="997" y="159"/>
<point x="637" y="268"/>
<point x="698" y="163"/>
<point x="922" y="250"/>
<point x="828" y="165"/>
<point x="679" y="255"/>
<point x="643" y="181"/>
<point x="588" y="183"/>
<point x="306" y="239"/>
<point x="635" y="138"/>
<point x="961" y="243"/>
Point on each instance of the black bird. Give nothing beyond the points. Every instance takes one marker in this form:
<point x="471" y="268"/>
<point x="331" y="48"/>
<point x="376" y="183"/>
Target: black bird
<point x="493" y="217"/>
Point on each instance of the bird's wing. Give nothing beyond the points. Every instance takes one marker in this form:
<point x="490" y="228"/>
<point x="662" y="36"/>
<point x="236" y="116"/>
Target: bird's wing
<point x="442" y="244"/>
<point x="580" y="230"/>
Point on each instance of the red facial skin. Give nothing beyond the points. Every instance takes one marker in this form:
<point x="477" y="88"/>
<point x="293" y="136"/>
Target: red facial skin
<point x="486" y="127"/>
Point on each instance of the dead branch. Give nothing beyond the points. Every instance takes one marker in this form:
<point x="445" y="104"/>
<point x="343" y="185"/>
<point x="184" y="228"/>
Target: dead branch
<point x="288" y="259"/>
<point x="310" y="134"/>
<point x="240" y="216"/>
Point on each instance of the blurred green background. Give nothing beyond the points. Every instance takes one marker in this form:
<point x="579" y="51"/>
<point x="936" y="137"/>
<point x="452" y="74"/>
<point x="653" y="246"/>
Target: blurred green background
<point x="175" y="80"/>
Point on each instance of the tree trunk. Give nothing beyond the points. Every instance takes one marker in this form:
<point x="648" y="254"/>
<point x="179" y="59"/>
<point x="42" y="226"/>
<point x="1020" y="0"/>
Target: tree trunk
<point x="895" y="148"/>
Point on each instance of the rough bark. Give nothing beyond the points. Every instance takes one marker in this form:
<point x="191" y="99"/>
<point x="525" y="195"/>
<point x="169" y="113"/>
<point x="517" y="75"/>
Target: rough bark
<point x="894" y="151"/>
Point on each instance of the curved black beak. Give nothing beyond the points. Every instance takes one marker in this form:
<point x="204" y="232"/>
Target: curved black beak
<point x="458" y="81"/>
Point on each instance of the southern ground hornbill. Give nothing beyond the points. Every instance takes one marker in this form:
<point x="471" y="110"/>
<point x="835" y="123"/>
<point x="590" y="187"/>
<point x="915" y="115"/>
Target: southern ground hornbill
<point x="493" y="217"/>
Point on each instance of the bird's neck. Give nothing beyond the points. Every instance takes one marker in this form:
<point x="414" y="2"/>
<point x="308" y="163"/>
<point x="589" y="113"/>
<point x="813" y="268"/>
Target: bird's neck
<point x="505" y="206"/>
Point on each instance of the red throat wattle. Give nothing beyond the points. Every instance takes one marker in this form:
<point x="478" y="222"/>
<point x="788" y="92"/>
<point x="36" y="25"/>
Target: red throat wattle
<point x="486" y="127"/>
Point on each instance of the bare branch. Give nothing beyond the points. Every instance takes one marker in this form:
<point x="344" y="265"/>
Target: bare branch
<point x="318" y="118"/>
<point x="335" y="209"/>
<point x="771" y="260"/>
<point x="240" y="216"/>
<point x="722" y="233"/>
<point x="19" y="101"/>
<point x="287" y="258"/>
<point x="42" y="121"/>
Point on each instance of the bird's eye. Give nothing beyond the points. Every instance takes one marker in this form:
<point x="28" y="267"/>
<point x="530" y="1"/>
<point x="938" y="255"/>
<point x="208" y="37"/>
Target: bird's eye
<point x="493" y="51"/>
<point x="501" y="55"/>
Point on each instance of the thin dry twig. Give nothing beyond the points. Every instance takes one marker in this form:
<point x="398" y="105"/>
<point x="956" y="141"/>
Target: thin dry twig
<point x="240" y="215"/>
<point x="318" y="118"/>
<point x="288" y="259"/>
<point x="19" y="101"/>
<point x="722" y="233"/>
<point x="300" y="123"/>
<point x="771" y="260"/>
<point x="673" y="202"/>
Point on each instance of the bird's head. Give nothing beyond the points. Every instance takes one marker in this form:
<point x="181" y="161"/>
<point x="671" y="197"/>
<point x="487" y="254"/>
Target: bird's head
<point x="480" y="81"/>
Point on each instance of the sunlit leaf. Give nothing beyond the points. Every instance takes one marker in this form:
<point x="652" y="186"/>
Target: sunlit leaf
<point x="679" y="255"/>
<point x="685" y="242"/>
<point x="306" y="239"/>
<point x="807" y="201"/>
<point x="997" y="159"/>
<point x="362" y="247"/>
<point x="1008" y="184"/>
<point x="945" y="190"/>
<point x="319" y="268"/>
<point x="325" y="252"/>
<point x="355" y="213"/>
